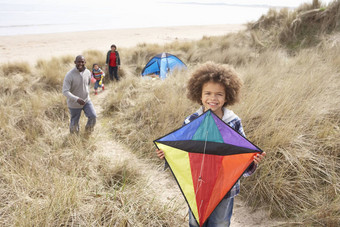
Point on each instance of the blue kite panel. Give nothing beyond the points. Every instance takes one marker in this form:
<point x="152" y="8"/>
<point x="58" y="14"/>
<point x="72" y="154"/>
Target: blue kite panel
<point x="184" y="133"/>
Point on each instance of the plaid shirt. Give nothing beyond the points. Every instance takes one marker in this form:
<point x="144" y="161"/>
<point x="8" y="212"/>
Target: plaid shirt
<point x="235" y="122"/>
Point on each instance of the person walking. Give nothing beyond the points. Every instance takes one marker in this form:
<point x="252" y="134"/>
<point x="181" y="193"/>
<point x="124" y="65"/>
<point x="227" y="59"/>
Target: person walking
<point x="76" y="89"/>
<point x="98" y="74"/>
<point x="113" y="62"/>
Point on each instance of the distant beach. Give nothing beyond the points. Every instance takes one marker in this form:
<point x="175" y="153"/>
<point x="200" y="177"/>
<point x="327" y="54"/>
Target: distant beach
<point x="35" y="29"/>
<point x="30" y="48"/>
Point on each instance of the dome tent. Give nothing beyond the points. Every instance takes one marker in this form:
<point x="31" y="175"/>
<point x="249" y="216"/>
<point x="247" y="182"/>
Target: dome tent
<point x="162" y="64"/>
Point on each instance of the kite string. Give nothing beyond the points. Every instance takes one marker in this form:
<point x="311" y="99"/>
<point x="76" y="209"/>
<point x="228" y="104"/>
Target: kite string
<point x="199" y="180"/>
<point x="202" y="163"/>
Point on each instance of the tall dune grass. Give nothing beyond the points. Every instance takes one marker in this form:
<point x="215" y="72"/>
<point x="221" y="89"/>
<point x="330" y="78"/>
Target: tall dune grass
<point x="290" y="108"/>
<point x="50" y="178"/>
<point x="303" y="27"/>
<point x="294" y="115"/>
<point x="14" y="68"/>
<point x="51" y="72"/>
<point x="145" y="110"/>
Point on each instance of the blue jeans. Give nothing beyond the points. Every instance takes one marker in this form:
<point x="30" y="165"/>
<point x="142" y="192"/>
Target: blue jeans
<point x="220" y="217"/>
<point x="96" y="85"/>
<point x="90" y="113"/>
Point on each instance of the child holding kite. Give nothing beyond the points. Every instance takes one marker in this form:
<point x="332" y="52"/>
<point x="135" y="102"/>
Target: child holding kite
<point x="98" y="74"/>
<point x="215" y="87"/>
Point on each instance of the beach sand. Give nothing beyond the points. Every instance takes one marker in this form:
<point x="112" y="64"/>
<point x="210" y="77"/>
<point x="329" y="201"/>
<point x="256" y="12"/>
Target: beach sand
<point x="30" y="48"/>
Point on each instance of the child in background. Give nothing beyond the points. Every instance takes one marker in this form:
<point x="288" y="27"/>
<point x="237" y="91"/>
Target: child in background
<point x="98" y="74"/>
<point x="215" y="87"/>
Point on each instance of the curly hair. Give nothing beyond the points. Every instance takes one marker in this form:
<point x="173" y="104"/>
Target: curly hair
<point x="212" y="72"/>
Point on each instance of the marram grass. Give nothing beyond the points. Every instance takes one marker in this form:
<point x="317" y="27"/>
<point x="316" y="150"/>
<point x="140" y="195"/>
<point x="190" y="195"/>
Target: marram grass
<point x="289" y="108"/>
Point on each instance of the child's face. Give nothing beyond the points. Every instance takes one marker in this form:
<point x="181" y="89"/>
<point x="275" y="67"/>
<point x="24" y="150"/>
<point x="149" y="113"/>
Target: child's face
<point x="96" y="67"/>
<point x="213" y="97"/>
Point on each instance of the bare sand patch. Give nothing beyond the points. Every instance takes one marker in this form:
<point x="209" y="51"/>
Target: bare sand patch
<point x="30" y="48"/>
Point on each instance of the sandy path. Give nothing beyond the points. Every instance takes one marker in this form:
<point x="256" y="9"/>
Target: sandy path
<point x="159" y="181"/>
<point x="162" y="183"/>
<point x="44" y="46"/>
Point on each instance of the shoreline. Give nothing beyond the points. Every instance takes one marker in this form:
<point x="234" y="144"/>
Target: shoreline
<point x="32" y="47"/>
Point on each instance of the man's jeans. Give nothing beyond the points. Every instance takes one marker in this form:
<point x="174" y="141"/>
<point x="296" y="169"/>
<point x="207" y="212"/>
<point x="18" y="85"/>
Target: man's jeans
<point x="220" y="217"/>
<point x="90" y="113"/>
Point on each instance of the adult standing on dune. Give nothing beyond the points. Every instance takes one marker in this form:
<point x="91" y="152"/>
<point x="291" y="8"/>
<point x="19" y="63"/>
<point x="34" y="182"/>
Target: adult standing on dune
<point x="113" y="62"/>
<point x="76" y="89"/>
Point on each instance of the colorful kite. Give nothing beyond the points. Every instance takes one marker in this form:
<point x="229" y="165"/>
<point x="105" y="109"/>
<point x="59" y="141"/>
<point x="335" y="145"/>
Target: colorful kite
<point x="206" y="157"/>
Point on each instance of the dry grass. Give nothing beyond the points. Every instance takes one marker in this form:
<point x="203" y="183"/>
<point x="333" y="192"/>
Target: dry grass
<point x="303" y="27"/>
<point x="292" y="112"/>
<point x="10" y="69"/>
<point x="51" y="72"/>
<point x="290" y="108"/>
<point x="52" y="179"/>
<point x="138" y="114"/>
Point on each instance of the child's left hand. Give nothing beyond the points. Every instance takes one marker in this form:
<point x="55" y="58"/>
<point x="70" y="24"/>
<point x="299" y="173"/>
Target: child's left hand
<point x="259" y="157"/>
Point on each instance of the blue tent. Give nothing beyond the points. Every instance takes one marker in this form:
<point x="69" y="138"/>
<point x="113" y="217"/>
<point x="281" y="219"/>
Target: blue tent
<point x="162" y="64"/>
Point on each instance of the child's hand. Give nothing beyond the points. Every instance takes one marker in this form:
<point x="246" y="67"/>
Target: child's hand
<point x="160" y="153"/>
<point x="259" y="157"/>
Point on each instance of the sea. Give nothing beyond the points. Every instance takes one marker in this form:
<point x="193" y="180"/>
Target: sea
<point x="18" y="17"/>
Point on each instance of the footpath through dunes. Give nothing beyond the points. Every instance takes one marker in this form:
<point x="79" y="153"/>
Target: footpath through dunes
<point x="159" y="183"/>
<point x="115" y="152"/>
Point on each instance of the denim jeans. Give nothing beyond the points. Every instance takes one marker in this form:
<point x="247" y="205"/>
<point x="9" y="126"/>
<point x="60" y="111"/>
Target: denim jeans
<point x="220" y="217"/>
<point x="90" y="113"/>
<point x="96" y="85"/>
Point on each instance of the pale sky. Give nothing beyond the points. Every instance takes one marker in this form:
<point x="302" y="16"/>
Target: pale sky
<point x="132" y="3"/>
<point x="18" y="16"/>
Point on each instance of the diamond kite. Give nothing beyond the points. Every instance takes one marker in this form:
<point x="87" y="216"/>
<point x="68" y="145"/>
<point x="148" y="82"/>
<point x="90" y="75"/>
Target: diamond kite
<point x="206" y="157"/>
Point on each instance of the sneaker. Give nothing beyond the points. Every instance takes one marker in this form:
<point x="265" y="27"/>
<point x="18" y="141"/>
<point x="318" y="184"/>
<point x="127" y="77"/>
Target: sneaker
<point x="103" y="87"/>
<point x="95" y="93"/>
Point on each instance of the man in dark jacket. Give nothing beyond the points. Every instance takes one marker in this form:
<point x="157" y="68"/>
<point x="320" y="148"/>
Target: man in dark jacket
<point x="113" y="62"/>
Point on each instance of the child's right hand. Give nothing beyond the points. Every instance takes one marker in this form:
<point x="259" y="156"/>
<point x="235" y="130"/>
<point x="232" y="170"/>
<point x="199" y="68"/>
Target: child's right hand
<point x="160" y="153"/>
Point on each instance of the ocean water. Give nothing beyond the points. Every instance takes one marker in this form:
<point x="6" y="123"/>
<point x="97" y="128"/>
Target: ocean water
<point x="47" y="16"/>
